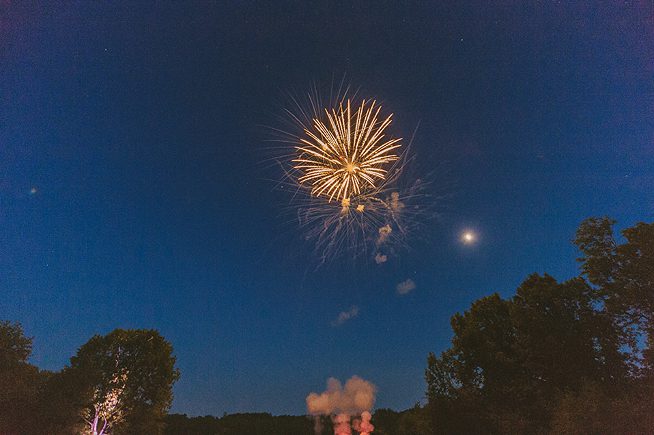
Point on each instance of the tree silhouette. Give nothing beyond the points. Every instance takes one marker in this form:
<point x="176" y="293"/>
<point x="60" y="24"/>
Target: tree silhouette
<point x="20" y="382"/>
<point x="126" y="380"/>
<point x="624" y="275"/>
<point x="522" y="364"/>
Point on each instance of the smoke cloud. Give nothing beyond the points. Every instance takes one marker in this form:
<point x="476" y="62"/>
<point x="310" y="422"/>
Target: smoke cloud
<point x="405" y="287"/>
<point x="356" y="396"/>
<point x="342" y="425"/>
<point x="363" y="425"/>
<point x="384" y="234"/>
<point x="344" y="316"/>
<point x="395" y="202"/>
<point x="342" y="402"/>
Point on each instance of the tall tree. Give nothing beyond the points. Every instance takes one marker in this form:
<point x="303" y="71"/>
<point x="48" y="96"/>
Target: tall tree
<point x="126" y="380"/>
<point x="20" y="381"/>
<point x="15" y="347"/>
<point x="511" y="360"/>
<point x="61" y="403"/>
<point x="624" y="274"/>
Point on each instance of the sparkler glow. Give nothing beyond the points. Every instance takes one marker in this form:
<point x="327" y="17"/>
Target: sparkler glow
<point x="340" y="159"/>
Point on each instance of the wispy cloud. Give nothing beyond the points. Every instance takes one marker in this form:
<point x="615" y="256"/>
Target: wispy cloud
<point x="405" y="287"/>
<point x="344" y="316"/>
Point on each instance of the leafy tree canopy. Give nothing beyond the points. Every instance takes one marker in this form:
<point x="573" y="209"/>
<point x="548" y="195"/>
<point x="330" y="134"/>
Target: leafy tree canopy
<point x="129" y="372"/>
<point x="20" y="382"/>
<point x="15" y="347"/>
<point x="514" y="364"/>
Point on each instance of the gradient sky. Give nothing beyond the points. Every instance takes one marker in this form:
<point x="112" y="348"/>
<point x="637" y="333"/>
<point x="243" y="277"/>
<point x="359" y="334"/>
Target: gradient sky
<point x="138" y="125"/>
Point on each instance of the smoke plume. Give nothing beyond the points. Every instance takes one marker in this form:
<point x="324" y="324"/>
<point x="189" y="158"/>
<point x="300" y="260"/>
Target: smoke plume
<point x="342" y="425"/>
<point x="405" y="287"/>
<point x="344" y="316"/>
<point x="363" y="425"/>
<point x="384" y="234"/>
<point x="343" y="402"/>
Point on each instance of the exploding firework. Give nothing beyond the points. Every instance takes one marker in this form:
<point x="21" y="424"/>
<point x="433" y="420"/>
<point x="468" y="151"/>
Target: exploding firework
<point x="345" y="156"/>
<point x="348" y="175"/>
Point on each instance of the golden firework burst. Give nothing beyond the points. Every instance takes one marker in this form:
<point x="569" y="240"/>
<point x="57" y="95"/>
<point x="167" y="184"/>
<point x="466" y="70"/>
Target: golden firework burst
<point x="346" y="155"/>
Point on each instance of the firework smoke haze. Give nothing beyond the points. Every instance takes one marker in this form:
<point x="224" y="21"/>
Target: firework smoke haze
<point x="344" y="316"/>
<point x="356" y="397"/>
<point x="405" y="287"/>
<point x="342" y="425"/>
<point x="380" y="258"/>
<point x="384" y="233"/>
<point x="363" y="425"/>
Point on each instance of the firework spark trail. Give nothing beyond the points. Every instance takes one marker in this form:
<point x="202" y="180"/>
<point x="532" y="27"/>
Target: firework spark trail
<point x="351" y="190"/>
<point x="340" y="160"/>
<point x="364" y="224"/>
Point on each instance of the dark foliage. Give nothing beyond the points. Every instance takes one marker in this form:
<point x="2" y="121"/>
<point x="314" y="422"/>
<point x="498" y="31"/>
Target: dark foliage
<point x="36" y="402"/>
<point x="556" y="357"/>
<point x="250" y="423"/>
<point x="20" y="382"/>
<point x="414" y="421"/>
<point x="149" y="366"/>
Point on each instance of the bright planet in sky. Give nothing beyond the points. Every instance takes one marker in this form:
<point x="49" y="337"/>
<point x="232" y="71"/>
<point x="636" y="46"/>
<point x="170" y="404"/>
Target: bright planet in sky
<point x="468" y="237"/>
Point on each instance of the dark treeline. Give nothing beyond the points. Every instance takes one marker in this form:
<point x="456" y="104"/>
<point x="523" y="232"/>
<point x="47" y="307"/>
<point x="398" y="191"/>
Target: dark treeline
<point x="572" y="357"/>
<point x="250" y="423"/>
<point x="387" y="422"/>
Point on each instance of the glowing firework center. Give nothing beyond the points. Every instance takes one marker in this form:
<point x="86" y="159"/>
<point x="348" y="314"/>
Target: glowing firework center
<point x="345" y="156"/>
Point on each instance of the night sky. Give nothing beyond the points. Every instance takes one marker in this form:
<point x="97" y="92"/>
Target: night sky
<point x="136" y="189"/>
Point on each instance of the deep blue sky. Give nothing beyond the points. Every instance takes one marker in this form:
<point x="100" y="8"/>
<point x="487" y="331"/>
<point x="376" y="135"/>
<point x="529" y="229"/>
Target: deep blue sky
<point x="139" y="126"/>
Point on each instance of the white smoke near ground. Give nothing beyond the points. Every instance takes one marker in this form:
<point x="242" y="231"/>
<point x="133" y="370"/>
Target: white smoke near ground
<point x="363" y="425"/>
<point x="356" y="398"/>
<point x="405" y="287"/>
<point x="342" y="424"/>
<point x="344" y="316"/>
